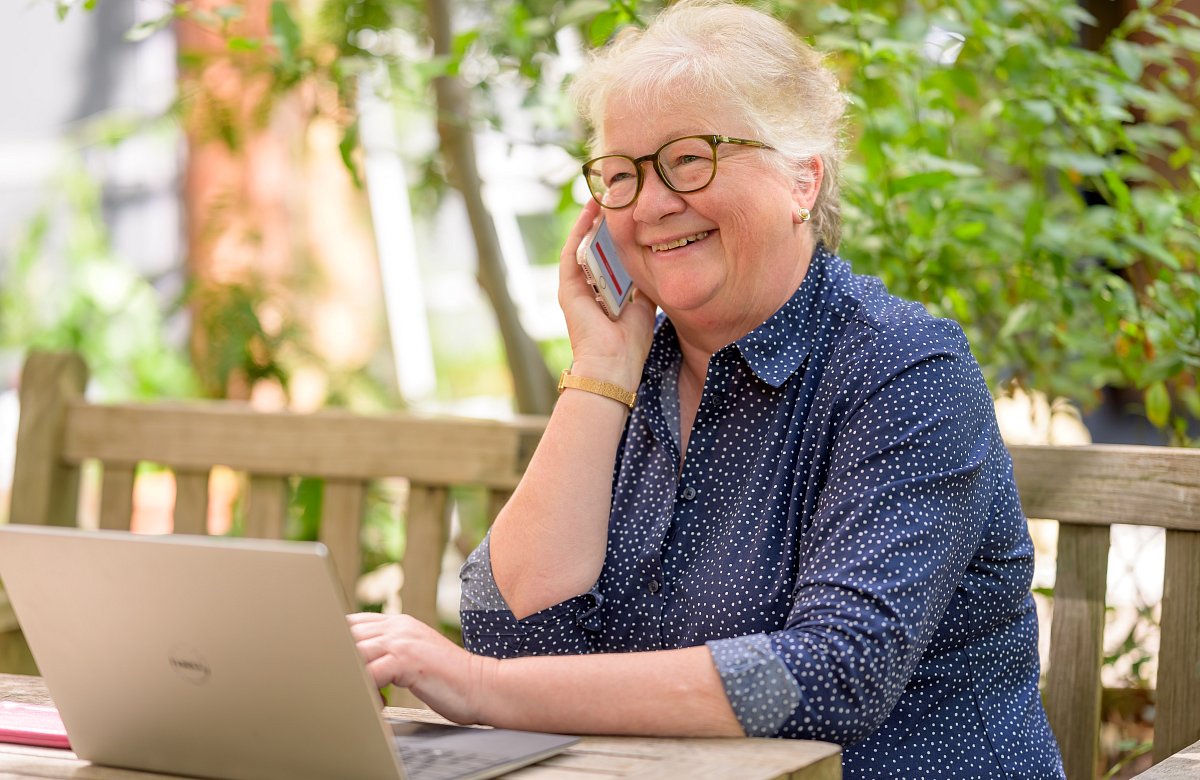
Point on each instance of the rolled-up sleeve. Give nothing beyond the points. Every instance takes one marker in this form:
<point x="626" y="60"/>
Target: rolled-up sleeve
<point x="490" y="628"/>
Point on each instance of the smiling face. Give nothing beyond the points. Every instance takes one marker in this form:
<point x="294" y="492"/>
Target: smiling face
<point x="721" y="260"/>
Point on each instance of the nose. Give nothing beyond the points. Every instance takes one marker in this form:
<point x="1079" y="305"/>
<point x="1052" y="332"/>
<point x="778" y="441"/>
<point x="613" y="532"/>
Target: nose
<point x="656" y="200"/>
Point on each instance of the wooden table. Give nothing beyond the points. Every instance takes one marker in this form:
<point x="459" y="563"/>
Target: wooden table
<point x="592" y="757"/>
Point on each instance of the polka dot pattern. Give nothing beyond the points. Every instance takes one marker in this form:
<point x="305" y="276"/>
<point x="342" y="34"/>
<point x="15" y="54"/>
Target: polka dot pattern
<point x="844" y="533"/>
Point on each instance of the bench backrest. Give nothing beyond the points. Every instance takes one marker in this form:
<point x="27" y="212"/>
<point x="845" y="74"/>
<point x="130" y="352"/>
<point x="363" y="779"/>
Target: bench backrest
<point x="59" y="430"/>
<point x="1086" y="489"/>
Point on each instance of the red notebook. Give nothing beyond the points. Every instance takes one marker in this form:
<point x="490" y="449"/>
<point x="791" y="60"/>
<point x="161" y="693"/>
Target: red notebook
<point x="32" y="724"/>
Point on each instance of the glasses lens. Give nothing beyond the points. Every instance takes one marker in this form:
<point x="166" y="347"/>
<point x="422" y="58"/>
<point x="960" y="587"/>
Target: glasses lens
<point x="688" y="164"/>
<point x="613" y="180"/>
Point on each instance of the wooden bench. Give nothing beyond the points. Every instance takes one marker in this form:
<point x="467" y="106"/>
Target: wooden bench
<point x="1086" y="489"/>
<point x="59" y="431"/>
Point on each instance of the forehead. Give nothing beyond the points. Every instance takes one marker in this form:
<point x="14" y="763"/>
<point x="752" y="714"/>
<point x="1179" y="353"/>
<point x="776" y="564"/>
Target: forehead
<point x="638" y="125"/>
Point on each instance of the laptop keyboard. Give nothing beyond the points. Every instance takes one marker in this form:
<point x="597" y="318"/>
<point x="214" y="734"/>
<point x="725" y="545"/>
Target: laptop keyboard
<point x="424" y="763"/>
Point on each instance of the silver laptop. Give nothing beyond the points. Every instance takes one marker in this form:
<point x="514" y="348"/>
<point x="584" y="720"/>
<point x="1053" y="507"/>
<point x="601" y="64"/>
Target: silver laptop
<point x="222" y="658"/>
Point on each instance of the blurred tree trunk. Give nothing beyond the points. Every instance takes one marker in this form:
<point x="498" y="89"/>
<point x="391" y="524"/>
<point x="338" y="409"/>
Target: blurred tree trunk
<point x="281" y="268"/>
<point x="532" y="383"/>
<point x="235" y="221"/>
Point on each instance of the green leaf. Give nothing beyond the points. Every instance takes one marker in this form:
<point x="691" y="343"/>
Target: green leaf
<point x="927" y="180"/>
<point x="143" y="30"/>
<point x="1128" y="59"/>
<point x="1154" y="249"/>
<point x="238" y="43"/>
<point x="582" y="11"/>
<point x="968" y="231"/>
<point x="602" y="27"/>
<point x="284" y="31"/>
<point x="1080" y="162"/>
<point x="1158" y="404"/>
<point x="1191" y="399"/>
<point x="346" y="149"/>
<point x="1043" y="110"/>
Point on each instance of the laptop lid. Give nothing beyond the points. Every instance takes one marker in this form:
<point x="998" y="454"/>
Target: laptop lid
<point x="207" y="656"/>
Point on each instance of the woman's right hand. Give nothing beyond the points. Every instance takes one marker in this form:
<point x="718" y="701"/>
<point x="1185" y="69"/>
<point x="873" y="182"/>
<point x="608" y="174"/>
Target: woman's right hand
<point x="601" y="348"/>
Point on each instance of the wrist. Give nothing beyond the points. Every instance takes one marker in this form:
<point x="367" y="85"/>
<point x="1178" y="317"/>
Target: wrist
<point x="568" y="380"/>
<point x="483" y="698"/>
<point x="617" y="371"/>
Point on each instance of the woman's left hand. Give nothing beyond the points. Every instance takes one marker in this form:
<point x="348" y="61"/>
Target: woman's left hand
<point x="401" y="650"/>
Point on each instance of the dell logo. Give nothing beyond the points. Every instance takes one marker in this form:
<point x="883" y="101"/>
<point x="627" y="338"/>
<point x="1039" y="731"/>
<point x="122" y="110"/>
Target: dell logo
<point x="188" y="664"/>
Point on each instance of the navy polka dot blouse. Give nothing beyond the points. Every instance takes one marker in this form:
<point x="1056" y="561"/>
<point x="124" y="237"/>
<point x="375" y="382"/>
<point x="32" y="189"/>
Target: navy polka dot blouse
<point x="845" y="535"/>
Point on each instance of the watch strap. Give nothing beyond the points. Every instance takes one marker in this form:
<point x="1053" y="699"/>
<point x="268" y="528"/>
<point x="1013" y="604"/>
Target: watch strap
<point x="599" y="387"/>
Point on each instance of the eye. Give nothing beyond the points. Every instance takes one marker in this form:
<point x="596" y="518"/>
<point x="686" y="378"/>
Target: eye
<point x="619" y="177"/>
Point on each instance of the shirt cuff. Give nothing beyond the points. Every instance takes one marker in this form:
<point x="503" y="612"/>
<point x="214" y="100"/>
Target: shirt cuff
<point x="490" y="628"/>
<point x="761" y="690"/>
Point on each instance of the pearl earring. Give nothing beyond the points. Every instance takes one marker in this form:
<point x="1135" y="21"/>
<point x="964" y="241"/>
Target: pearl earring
<point x="804" y="214"/>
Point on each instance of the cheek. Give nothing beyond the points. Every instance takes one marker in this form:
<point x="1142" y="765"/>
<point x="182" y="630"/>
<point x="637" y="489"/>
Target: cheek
<point x="623" y="233"/>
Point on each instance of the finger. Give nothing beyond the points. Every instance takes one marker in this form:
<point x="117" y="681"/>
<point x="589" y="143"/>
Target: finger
<point x="382" y="672"/>
<point x="583" y="225"/>
<point x="359" y="618"/>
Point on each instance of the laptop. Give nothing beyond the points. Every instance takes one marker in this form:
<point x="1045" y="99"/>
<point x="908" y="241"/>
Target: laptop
<point x="222" y="658"/>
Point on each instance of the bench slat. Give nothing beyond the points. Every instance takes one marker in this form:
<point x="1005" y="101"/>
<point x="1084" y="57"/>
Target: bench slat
<point x="1177" y="719"/>
<point x="341" y="523"/>
<point x="45" y="489"/>
<point x="1102" y="484"/>
<point x="116" y="497"/>
<point x="424" y="542"/>
<point x="266" y="507"/>
<point x="1076" y="649"/>
<point x="329" y="443"/>
<point x="191" y="502"/>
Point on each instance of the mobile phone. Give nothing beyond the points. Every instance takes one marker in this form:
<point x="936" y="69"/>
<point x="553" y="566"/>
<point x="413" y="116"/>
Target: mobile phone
<point x="604" y="271"/>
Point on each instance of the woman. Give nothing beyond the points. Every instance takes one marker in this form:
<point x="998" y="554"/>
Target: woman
<point x="807" y="525"/>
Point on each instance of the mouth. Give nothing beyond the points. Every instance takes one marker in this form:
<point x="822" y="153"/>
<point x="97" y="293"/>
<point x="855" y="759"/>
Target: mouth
<point x="680" y="242"/>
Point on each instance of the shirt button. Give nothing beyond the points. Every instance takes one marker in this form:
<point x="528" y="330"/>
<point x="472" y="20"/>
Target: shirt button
<point x="689" y="493"/>
<point x="653" y="586"/>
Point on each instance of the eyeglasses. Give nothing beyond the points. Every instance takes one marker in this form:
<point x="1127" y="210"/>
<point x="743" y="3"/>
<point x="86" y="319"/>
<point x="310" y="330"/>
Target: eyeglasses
<point x="685" y="164"/>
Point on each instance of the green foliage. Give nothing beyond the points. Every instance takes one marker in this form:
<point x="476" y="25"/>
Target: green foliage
<point x="63" y="288"/>
<point x="1013" y="190"/>
<point x="239" y="348"/>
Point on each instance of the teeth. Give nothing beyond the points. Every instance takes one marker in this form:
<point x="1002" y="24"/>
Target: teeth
<point x="678" y="242"/>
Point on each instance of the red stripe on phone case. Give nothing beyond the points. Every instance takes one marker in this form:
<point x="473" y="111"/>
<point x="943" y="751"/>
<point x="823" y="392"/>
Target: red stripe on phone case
<point x="611" y="275"/>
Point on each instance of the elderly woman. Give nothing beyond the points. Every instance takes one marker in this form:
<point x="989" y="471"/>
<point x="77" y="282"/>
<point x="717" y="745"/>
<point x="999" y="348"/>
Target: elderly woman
<point x="806" y="525"/>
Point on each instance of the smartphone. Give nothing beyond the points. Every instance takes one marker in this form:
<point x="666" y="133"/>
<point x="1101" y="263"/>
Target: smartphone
<point x="604" y="272"/>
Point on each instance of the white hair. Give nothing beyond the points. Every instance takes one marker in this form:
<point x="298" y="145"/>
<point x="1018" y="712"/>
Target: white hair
<point x="742" y="58"/>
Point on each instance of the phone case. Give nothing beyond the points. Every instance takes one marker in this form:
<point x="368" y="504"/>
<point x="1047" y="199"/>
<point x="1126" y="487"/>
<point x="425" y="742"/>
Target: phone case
<point x="605" y="273"/>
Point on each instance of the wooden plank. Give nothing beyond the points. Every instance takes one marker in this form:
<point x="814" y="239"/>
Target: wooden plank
<point x="342" y="505"/>
<point x="330" y="443"/>
<point x="45" y="487"/>
<point x="1105" y="484"/>
<point x="191" y="502"/>
<point x="116" y="496"/>
<point x="1177" y="718"/>
<point x="1076" y="645"/>
<point x="1184" y="765"/>
<point x="426" y="530"/>
<point x="266" y="507"/>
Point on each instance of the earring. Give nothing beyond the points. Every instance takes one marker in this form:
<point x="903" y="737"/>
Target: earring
<point x="804" y="214"/>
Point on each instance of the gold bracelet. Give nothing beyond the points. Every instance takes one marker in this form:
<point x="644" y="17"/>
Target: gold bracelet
<point x="606" y="389"/>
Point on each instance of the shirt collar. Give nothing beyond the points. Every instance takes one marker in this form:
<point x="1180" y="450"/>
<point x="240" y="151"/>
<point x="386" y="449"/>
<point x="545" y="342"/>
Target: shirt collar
<point x="773" y="350"/>
<point x="777" y="348"/>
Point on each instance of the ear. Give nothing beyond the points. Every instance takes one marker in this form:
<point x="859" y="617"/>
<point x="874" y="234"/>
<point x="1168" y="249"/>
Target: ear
<point x="807" y="184"/>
